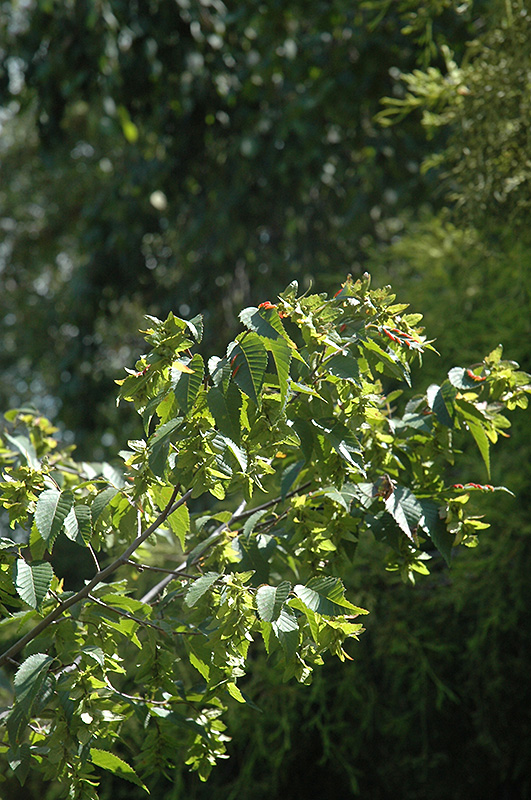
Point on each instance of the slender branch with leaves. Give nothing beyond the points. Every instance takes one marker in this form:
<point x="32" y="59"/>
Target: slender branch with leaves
<point x="255" y="478"/>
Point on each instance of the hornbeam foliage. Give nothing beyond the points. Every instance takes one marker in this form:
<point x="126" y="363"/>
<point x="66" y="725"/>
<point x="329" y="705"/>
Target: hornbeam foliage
<point x="227" y="527"/>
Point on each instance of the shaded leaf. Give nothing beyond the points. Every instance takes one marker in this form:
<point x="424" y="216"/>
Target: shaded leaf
<point x="188" y="384"/>
<point x="199" y="587"/>
<point x="225" y="409"/>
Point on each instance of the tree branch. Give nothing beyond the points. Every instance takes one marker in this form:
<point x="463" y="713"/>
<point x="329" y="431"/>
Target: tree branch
<point x="100" y="576"/>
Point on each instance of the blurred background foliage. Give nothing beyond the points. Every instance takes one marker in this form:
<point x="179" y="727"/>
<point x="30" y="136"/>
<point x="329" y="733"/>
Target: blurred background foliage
<point x="197" y="156"/>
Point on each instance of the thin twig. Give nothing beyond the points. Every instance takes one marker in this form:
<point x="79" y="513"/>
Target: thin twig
<point x="141" y="567"/>
<point x="249" y="512"/>
<point x="161" y="585"/>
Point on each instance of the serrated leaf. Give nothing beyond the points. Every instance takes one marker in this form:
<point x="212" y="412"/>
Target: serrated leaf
<point x="270" y="600"/>
<point x="253" y="520"/>
<point x="481" y="439"/>
<point x="187" y="387"/>
<point x="51" y="511"/>
<point x="458" y="377"/>
<point x="436" y="402"/>
<point x="265" y="323"/>
<point x="248" y="358"/>
<point x="28" y="677"/>
<point x="199" y="587"/>
<point x="179" y="521"/>
<point x="32" y="581"/>
<point x="115" y="765"/>
<point x="326" y="595"/>
<point x="100" y="501"/>
<point x="235" y="692"/>
<point x="159" y="444"/>
<point x="83" y="517"/>
<point x="195" y="326"/>
<point x="344" y="367"/>
<point x="389" y="362"/>
<point x="395" y="508"/>
<point x="29" y="683"/>
<point x="282" y="355"/>
<point x="24" y="446"/>
<point x="225" y="408"/>
<point x="286" y="630"/>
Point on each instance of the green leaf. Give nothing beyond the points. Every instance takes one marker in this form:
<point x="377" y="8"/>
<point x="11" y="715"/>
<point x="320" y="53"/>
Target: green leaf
<point x="481" y="439"/>
<point x="387" y="362"/>
<point x="225" y="409"/>
<point x="344" y="367"/>
<point x="255" y="320"/>
<point x="282" y="355"/>
<point x="458" y="377"/>
<point x="23" y="445"/>
<point x="286" y="630"/>
<point x="159" y="445"/>
<point x="343" y="441"/>
<point x="118" y="767"/>
<point x="248" y="358"/>
<point x="199" y="587"/>
<point x="195" y="326"/>
<point x="326" y="595"/>
<point x="32" y="581"/>
<point x="29" y="678"/>
<point x="395" y="508"/>
<point x="83" y="517"/>
<point x="20" y="761"/>
<point x="29" y="682"/>
<point x="179" y="521"/>
<point x="270" y="600"/>
<point x="50" y="513"/>
<point x="437" y="404"/>
<point x="100" y="501"/>
<point x="188" y="384"/>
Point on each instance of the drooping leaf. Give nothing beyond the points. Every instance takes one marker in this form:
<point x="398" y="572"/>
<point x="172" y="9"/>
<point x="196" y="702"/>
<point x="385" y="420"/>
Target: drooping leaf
<point x="481" y="439"/>
<point x="282" y="355"/>
<point x="459" y="378"/>
<point x="270" y="600"/>
<point x="32" y="580"/>
<point x="225" y="409"/>
<point x="395" y="507"/>
<point x="248" y="358"/>
<point x="267" y="324"/>
<point x="179" y="520"/>
<point x="195" y="326"/>
<point x="199" y="587"/>
<point x="100" y="501"/>
<point x="326" y="595"/>
<point x="344" y="367"/>
<point x="118" y="767"/>
<point x="51" y="511"/>
<point x="436" y="402"/>
<point x="159" y="444"/>
<point x="187" y="387"/>
<point x="24" y="446"/>
<point x="286" y="630"/>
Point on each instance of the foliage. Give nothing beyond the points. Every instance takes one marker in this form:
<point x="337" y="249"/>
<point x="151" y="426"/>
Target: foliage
<point x="485" y="100"/>
<point x="296" y="411"/>
<point x="183" y="156"/>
